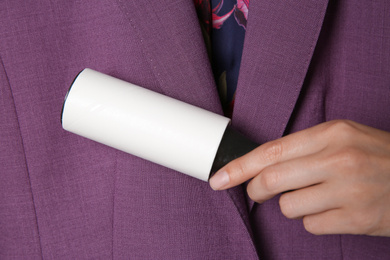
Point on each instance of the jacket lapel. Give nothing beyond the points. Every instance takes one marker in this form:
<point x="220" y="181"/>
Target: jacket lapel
<point x="173" y="44"/>
<point x="280" y="40"/>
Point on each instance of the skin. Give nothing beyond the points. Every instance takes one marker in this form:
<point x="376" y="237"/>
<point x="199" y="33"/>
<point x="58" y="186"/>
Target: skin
<point x="335" y="176"/>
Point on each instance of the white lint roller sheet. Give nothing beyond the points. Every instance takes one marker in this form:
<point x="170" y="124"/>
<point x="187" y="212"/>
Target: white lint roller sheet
<point x="143" y="123"/>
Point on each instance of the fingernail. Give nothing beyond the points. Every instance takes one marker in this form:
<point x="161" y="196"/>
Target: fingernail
<point x="219" y="180"/>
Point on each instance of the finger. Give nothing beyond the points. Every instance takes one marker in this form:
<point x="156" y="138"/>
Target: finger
<point x="285" y="176"/>
<point x="335" y="221"/>
<point x="308" y="201"/>
<point x="299" y="144"/>
<point x="246" y="167"/>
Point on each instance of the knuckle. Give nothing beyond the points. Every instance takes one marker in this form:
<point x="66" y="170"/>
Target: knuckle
<point x="273" y="151"/>
<point x="341" y="129"/>
<point x="340" y="126"/>
<point x="269" y="179"/>
<point x="351" y="157"/>
<point x="355" y="158"/>
<point x="253" y="193"/>
<point x="355" y="193"/>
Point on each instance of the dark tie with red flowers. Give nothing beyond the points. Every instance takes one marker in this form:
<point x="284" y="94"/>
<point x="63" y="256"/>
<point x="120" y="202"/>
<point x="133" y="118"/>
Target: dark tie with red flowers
<point x="224" y="24"/>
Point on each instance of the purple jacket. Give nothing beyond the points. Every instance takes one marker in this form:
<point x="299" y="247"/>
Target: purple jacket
<point x="66" y="197"/>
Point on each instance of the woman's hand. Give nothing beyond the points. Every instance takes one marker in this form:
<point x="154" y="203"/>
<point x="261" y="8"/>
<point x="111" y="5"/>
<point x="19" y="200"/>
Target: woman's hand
<point x="336" y="176"/>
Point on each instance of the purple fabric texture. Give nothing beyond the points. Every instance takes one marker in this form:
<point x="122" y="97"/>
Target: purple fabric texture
<point x="66" y="197"/>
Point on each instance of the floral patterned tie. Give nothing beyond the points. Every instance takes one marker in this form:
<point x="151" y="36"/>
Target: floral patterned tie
<point x="223" y="25"/>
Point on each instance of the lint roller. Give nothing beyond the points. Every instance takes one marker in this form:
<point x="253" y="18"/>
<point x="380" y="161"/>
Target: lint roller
<point x="150" y="125"/>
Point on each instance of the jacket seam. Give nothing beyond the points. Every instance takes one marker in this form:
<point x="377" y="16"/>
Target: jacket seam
<point x="24" y="152"/>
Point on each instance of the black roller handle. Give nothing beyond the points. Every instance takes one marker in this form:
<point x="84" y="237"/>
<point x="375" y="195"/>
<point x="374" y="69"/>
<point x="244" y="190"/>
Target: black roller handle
<point x="233" y="145"/>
